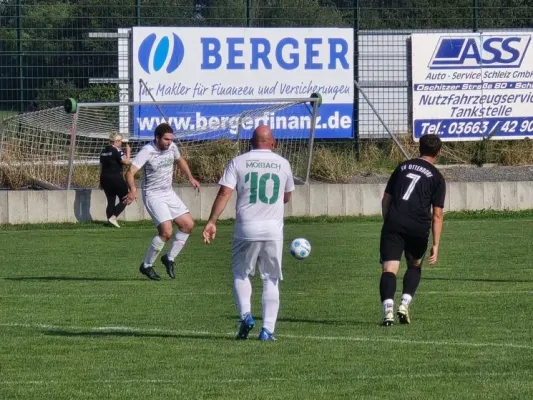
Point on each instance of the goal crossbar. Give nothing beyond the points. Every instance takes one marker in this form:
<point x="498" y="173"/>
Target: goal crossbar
<point x="61" y="145"/>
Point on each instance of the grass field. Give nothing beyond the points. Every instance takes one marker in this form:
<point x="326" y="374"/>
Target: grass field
<point x="77" y="320"/>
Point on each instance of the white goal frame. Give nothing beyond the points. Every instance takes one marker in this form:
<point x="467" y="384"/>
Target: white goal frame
<point x="314" y="101"/>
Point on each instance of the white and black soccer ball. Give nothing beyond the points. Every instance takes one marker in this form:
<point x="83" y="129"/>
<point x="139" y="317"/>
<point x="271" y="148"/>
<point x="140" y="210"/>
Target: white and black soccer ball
<point x="300" y="248"/>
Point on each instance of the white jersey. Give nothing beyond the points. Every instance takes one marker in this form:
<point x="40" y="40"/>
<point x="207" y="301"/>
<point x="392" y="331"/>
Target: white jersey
<point x="158" y="168"/>
<point x="261" y="177"/>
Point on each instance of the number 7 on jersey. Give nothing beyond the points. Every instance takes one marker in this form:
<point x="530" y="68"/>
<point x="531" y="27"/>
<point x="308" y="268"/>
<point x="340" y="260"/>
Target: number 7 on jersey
<point x="414" y="179"/>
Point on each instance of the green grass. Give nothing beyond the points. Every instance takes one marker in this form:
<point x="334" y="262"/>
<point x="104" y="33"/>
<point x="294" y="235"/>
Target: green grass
<point x="77" y="320"/>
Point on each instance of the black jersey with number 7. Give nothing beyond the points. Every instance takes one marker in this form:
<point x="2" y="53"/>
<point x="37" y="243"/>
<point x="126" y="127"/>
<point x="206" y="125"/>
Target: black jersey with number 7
<point x="415" y="186"/>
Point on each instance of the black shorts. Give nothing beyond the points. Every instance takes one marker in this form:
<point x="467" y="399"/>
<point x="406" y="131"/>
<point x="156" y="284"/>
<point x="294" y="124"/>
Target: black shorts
<point x="114" y="185"/>
<point x="393" y="244"/>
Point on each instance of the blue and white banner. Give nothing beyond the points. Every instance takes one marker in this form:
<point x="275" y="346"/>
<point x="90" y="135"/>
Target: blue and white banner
<point x="243" y="63"/>
<point x="469" y="86"/>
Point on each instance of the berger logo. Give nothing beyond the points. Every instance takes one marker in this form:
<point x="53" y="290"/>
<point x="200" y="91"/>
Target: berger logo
<point x="454" y="52"/>
<point x="156" y="53"/>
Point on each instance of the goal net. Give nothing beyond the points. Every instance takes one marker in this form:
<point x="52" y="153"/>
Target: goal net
<point x="60" y="147"/>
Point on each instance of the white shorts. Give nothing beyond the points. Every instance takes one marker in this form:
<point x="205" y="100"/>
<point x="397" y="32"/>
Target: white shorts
<point x="165" y="207"/>
<point x="267" y="255"/>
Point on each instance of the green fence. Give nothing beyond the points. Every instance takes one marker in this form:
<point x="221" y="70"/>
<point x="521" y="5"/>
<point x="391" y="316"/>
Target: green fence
<point x="47" y="52"/>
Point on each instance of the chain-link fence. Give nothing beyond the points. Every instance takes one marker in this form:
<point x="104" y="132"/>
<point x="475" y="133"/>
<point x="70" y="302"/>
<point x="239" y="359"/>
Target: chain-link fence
<point x="51" y="49"/>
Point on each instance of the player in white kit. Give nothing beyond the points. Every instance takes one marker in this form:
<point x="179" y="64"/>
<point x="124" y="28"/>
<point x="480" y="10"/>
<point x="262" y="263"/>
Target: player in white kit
<point x="162" y="203"/>
<point x="264" y="182"/>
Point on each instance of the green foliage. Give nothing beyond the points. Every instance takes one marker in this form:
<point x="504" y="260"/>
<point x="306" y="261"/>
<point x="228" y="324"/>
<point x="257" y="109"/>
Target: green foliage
<point x="56" y="45"/>
<point x="501" y="152"/>
<point x="207" y="162"/>
<point x="168" y="13"/>
<point x="226" y="13"/>
<point x="451" y="14"/>
<point x="505" y="13"/>
<point x="55" y="91"/>
<point x="296" y="13"/>
<point x="46" y="25"/>
<point x="333" y="164"/>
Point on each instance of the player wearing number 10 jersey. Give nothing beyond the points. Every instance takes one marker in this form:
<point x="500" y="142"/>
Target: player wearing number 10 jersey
<point x="264" y="182"/>
<point x="412" y="205"/>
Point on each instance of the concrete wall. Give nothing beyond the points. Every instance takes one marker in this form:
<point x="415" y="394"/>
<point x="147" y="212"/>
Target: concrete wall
<point x="17" y="207"/>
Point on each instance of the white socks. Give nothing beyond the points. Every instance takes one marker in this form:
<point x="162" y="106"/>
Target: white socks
<point x="406" y="299"/>
<point x="270" y="303"/>
<point x="155" y="247"/>
<point x="388" y="306"/>
<point x="242" y="291"/>
<point x="177" y="244"/>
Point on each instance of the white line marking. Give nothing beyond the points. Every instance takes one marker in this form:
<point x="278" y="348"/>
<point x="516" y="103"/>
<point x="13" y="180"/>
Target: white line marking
<point x="280" y="379"/>
<point x="111" y="295"/>
<point x="407" y="341"/>
<point x="114" y="329"/>
<point x="107" y="381"/>
<point x="286" y="293"/>
<point x="286" y="336"/>
<point x="478" y="293"/>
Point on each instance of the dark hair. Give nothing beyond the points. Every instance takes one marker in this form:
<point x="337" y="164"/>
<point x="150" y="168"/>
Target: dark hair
<point x="161" y="129"/>
<point x="430" y="145"/>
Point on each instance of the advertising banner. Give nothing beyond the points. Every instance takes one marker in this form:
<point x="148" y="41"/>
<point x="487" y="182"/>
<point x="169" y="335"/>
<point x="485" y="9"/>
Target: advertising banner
<point x="470" y="86"/>
<point x="192" y="64"/>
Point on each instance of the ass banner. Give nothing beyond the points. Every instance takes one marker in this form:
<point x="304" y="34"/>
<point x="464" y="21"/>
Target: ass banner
<point x="470" y="86"/>
<point x="243" y="63"/>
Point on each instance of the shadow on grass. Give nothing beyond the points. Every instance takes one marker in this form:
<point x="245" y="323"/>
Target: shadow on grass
<point x="135" y="334"/>
<point x="331" y="322"/>
<point x="69" y="278"/>
<point x="489" y="280"/>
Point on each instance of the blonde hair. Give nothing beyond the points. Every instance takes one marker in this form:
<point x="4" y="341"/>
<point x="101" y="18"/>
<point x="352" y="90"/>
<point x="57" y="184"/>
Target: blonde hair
<point x="116" y="137"/>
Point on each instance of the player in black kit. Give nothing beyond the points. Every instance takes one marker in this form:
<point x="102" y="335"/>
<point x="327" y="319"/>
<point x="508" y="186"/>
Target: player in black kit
<point x="112" y="180"/>
<point x="414" y="188"/>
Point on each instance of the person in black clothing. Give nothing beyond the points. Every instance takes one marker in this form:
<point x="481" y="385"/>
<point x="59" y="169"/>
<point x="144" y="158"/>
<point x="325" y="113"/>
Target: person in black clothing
<point x="414" y="188"/>
<point x="112" y="160"/>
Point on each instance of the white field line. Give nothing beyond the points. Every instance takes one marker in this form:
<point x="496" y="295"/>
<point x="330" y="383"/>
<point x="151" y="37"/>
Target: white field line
<point x="112" y="295"/>
<point x="361" y="339"/>
<point x="277" y="379"/>
<point x="228" y="293"/>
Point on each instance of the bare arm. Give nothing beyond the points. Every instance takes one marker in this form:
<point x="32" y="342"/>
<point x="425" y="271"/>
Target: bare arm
<point x="385" y="204"/>
<point x="184" y="167"/>
<point x="287" y="197"/>
<point x="438" y="218"/>
<point x="130" y="180"/>
<point x="436" y="227"/>
<point x="127" y="160"/>
<point x="220" y="203"/>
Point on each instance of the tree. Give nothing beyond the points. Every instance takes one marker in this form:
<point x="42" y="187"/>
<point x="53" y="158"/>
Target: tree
<point x="57" y="53"/>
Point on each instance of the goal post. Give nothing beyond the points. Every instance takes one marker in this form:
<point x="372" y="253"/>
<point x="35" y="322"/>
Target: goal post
<point x="209" y="133"/>
<point x="61" y="145"/>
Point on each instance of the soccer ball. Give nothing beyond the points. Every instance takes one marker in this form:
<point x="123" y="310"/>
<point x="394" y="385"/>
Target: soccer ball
<point x="300" y="248"/>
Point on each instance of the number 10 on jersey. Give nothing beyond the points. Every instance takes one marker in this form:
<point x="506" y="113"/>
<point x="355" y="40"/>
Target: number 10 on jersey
<point x="258" y="187"/>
